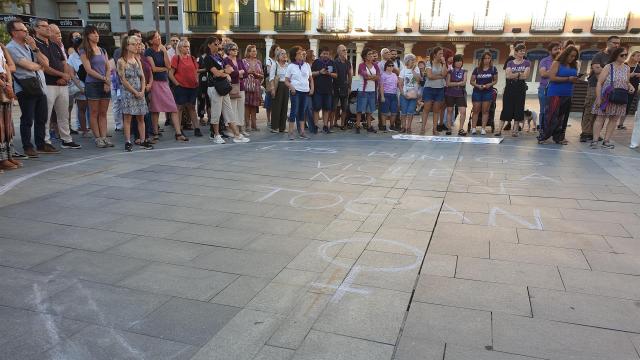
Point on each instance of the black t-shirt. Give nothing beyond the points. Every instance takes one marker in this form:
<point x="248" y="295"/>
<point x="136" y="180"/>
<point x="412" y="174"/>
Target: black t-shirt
<point x="323" y="84"/>
<point x="634" y="80"/>
<point x="56" y="59"/>
<point x="214" y="61"/>
<point x="342" y="69"/>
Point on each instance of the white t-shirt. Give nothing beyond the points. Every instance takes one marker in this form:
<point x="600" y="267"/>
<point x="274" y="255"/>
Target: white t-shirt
<point x="299" y="76"/>
<point x="280" y="69"/>
<point x="408" y="81"/>
<point x="2" y="60"/>
<point x="371" y="84"/>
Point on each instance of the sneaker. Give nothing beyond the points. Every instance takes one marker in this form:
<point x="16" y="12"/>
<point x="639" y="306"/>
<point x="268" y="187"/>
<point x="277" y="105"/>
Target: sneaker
<point x="146" y="145"/>
<point x="128" y="147"/>
<point x="303" y="136"/>
<point x="108" y="142"/>
<point x="100" y="143"/>
<point x="607" y="145"/>
<point x="241" y="139"/>
<point x="197" y="132"/>
<point x="31" y="153"/>
<point x="70" y="145"/>
<point x="498" y="134"/>
<point x="633" y="146"/>
<point x="17" y="155"/>
<point x="483" y="132"/>
<point x="473" y="131"/>
<point x="73" y="132"/>
<point x="325" y="129"/>
<point x="274" y="131"/>
<point x="448" y="133"/>
<point x="594" y="145"/>
<point x="218" y="140"/>
<point x="583" y="138"/>
<point x="244" y="133"/>
<point x="291" y="137"/>
<point x="372" y="130"/>
<point x="48" y="149"/>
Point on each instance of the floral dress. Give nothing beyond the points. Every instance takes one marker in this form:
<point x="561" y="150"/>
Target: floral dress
<point x="620" y="80"/>
<point x="130" y="104"/>
<point x="253" y="98"/>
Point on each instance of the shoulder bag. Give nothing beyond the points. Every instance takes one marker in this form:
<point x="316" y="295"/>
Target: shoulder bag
<point x="619" y="96"/>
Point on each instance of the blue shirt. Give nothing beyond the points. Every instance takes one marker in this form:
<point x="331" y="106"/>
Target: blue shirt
<point x="564" y="88"/>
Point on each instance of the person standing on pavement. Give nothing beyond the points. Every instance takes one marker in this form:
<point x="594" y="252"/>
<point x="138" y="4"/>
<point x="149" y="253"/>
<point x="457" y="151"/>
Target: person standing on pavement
<point x="388" y="95"/>
<point x="433" y="92"/>
<point x="324" y="72"/>
<point x="543" y="69"/>
<point x="299" y="80"/>
<point x="634" y="78"/>
<point x="57" y="77"/>
<point x="409" y="80"/>
<point x="279" y="92"/>
<point x="615" y="75"/>
<point x="515" y="91"/>
<point x="234" y="66"/>
<point x="97" y="84"/>
<point x="7" y="66"/>
<point x="456" y="94"/>
<point x="252" y="86"/>
<point x="341" y="87"/>
<point x="369" y="71"/>
<point x="562" y="74"/>
<point x="184" y="76"/>
<point x="268" y="98"/>
<point x="483" y="78"/>
<point x="28" y="88"/>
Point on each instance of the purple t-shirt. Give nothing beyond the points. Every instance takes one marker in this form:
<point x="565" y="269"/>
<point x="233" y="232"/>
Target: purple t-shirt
<point x="455" y="75"/>
<point x="98" y="64"/>
<point x="484" y="77"/>
<point x="389" y="82"/>
<point x="518" y="68"/>
<point x="545" y="63"/>
<point x="235" y="75"/>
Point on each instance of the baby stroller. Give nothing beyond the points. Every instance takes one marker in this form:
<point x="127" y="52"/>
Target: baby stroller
<point x="351" y="111"/>
<point x="492" y="113"/>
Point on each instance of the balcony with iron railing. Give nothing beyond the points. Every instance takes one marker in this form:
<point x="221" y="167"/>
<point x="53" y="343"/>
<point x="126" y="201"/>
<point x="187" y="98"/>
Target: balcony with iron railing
<point x="488" y="23"/>
<point x="201" y="21"/>
<point x="290" y="21"/>
<point x="380" y="23"/>
<point x="245" y="21"/>
<point x="334" y="23"/>
<point x="547" y="24"/>
<point x="434" y="24"/>
<point x="609" y="24"/>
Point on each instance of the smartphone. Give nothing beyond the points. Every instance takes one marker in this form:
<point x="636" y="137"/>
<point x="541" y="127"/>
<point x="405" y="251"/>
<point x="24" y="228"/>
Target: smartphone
<point x="581" y="75"/>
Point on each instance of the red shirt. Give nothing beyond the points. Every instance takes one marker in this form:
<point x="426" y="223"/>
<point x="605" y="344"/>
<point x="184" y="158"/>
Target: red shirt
<point x="186" y="71"/>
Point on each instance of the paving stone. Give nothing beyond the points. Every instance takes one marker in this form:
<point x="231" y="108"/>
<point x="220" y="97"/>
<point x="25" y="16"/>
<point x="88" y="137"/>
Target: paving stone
<point x="455" y="352"/>
<point x="186" y="321"/>
<point x="325" y="346"/>
<point x="264" y="225"/>
<point x="274" y="353"/>
<point x="606" y="216"/>
<point x="105" y="268"/>
<point x="376" y="316"/>
<point x="241" y="291"/>
<point x="25" y="333"/>
<point x="585" y="227"/>
<point x="144" y="226"/>
<point x="609" y="206"/>
<point x="213" y="235"/>
<point x="242" y="337"/>
<point x="601" y="283"/>
<point x="276" y="298"/>
<point x="542" y="255"/>
<point x="471" y="328"/>
<point x="84" y="239"/>
<point x="413" y="348"/>
<point x="100" y="343"/>
<point x="476" y="232"/>
<point x="242" y="262"/>
<point x="412" y="240"/>
<point x="296" y="326"/>
<point x="315" y="257"/>
<point x="179" y="281"/>
<point x="159" y="249"/>
<point x="624" y="245"/>
<point x="440" y="265"/>
<point x="544" y="202"/>
<point x="24" y="254"/>
<point x="563" y="240"/>
<point x="338" y="230"/>
<point x="295" y="277"/>
<point x="549" y="339"/>
<point x="28" y="289"/>
<point x="277" y="244"/>
<point x="460" y="247"/>
<point x="104" y="304"/>
<point x="615" y="263"/>
<point x="21" y="229"/>
<point x="584" y="309"/>
<point x="516" y="273"/>
<point x="387" y="271"/>
<point x="471" y="294"/>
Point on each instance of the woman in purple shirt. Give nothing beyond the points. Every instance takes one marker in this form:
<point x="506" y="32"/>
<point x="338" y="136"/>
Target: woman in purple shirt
<point x="455" y="94"/>
<point x="235" y="67"/>
<point x="515" y="91"/>
<point x="483" y="78"/>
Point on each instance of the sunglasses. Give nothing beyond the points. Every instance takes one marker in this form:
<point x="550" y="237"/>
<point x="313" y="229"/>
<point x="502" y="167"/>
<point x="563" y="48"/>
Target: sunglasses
<point x="623" y="55"/>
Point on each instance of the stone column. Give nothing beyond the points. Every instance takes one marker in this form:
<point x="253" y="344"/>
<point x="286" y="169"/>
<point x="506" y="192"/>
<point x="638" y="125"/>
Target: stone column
<point x="408" y="47"/>
<point x="268" y="42"/>
<point x="359" y="48"/>
<point x="460" y="48"/>
<point x="313" y="45"/>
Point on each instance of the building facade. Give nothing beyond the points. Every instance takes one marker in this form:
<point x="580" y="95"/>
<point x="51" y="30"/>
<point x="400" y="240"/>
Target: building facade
<point x="467" y="27"/>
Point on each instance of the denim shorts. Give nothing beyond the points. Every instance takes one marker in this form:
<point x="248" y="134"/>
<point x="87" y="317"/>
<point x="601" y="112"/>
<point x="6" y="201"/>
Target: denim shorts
<point x="95" y="91"/>
<point x="482" y="95"/>
<point x="407" y="106"/>
<point x="267" y="100"/>
<point x="390" y="104"/>
<point x="322" y="102"/>
<point x="184" y="95"/>
<point x="366" y="102"/>
<point x="433" y="94"/>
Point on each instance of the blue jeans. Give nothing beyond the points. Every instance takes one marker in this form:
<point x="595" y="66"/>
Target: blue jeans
<point x="34" y="114"/>
<point x="407" y="106"/>
<point x="298" y="105"/>
<point x="366" y="102"/>
<point x="542" y="99"/>
<point x="308" y="112"/>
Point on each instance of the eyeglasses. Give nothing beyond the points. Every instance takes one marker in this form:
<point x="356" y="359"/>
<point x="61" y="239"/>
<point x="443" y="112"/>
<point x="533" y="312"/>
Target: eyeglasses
<point x="624" y="55"/>
<point x="234" y="49"/>
<point x="23" y="30"/>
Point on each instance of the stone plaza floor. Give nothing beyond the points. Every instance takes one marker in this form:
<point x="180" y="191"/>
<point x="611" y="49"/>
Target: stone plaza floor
<point x="342" y="247"/>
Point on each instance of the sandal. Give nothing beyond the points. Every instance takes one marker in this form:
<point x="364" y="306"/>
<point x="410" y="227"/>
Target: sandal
<point x="563" y="142"/>
<point x="461" y="132"/>
<point x="180" y="137"/>
<point x="497" y="134"/>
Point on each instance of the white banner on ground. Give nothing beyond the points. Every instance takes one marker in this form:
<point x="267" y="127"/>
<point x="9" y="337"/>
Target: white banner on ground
<point x="450" y="139"/>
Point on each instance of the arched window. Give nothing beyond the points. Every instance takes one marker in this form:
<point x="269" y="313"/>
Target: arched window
<point x="534" y="56"/>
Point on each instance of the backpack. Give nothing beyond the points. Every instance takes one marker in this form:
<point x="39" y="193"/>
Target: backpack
<point x="82" y="73"/>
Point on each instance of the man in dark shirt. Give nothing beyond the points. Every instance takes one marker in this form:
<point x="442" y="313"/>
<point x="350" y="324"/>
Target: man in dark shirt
<point x="324" y="72"/>
<point x="341" y="86"/>
<point x="57" y="78"/>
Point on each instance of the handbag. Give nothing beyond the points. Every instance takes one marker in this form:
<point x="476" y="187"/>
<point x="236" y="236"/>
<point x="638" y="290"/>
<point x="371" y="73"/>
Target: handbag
<point x="31" y="86"/>
<point x="411" y="94"/>
<point x="223" y="87"/>
<point x="234" y="92"/>
<point x="619" y="96"/>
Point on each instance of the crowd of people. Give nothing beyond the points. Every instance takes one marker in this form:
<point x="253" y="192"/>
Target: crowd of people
<point x="145" y="78"/>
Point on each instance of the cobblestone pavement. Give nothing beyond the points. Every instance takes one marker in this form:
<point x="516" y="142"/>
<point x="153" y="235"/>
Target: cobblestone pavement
<point x="340" y="247"/>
